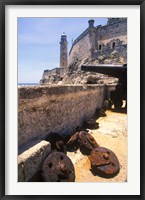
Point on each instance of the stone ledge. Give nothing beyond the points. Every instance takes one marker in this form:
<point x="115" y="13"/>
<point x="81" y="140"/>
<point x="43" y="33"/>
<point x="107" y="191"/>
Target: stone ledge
<point x="30" y="161"/>
<point x="39" y="91"/>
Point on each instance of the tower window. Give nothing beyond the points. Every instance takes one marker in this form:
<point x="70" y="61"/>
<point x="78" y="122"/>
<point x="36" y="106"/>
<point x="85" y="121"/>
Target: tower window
<point x="100" y="47"/>
<point x="113" y="45"/>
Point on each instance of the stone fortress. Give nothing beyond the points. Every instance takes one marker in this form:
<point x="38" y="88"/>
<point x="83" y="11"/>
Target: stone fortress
<point x="101" y="41"/>
<point x="96" y="45"/>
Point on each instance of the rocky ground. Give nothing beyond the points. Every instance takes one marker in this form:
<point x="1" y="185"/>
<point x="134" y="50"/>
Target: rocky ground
<point x="112" y="134"/>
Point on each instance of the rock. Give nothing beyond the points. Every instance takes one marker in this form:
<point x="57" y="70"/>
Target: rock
<point x="74" y="75"/>
<point x="92" y="79"/>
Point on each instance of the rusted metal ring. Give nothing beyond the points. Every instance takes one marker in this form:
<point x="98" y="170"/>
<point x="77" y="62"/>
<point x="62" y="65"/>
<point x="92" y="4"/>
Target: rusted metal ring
<point x="92" y="141"/>
<point x="58" y="167"/>
<point x="87" y="140"/>
<point x="104" y="162"/>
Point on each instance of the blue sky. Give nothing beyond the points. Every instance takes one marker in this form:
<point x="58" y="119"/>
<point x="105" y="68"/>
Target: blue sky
<point x="38" y="43"/>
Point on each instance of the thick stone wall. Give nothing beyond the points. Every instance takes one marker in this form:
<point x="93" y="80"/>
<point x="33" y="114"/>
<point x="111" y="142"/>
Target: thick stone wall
<point x="52" y="75"/>
<point x="111" y="56"/>
<point x="113" y="31"/>
<point x="102" y="44"/>
<point x="54" y="71"/>
<point x="62" y="109"/>
<point x="80" y="49"/>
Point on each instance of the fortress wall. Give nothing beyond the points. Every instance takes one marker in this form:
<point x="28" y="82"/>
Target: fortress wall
<point x="112" y="56"/>
<point x="60" y="109"/>
<point x="45" y="74"/>
<point x="48" y="74"/>
<point x="54" y="71"/>
<point x="113" y="31"/>
<point x="81" y="49"/>
<point x="105" y="36"/>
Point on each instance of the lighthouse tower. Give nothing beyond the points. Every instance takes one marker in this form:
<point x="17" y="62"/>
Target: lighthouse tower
<point x="63" y="51"/>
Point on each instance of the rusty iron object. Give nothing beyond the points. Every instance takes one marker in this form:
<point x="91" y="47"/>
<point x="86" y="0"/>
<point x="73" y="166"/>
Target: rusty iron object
<point x="58" y="167"/>
<point x="57" y="141"/>
<point x="91" y="124"/>
<point x="73" y="143"/>
<point x="104" y="162"/>
<point x="53" y="137"/>
<point x="102" y="113"/>
<point x="87" y="142"/>
<point x="60" y="146"/>
<point x="73" y="139"/>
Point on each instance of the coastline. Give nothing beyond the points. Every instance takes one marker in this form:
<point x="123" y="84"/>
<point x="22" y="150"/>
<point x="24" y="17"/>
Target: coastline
<point x="27" y="84"/>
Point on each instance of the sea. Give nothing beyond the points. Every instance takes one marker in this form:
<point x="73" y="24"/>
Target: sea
<point x="27" y="84"/>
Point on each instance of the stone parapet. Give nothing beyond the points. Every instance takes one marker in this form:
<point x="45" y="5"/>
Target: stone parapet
<point x="46" y="109"/>
<point x="30" y="161"/>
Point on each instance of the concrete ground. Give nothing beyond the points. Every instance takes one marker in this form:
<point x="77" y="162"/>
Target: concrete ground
<point x="112" y="134"/>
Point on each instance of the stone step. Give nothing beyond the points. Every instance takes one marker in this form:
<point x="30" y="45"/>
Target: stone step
<point x="30" y="161"/>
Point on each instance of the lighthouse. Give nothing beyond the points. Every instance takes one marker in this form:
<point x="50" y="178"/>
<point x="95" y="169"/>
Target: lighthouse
<point x="63" y="51"/>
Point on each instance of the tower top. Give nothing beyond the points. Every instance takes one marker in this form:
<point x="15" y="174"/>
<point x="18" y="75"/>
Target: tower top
<point x="91" y="23"/>
<point x="63" y="38"/>
<point x="114" y="20"/>
<point x="63" y="33"/>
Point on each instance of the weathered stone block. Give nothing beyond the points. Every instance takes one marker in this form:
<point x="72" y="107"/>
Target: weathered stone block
<point x="30" y="161"/>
